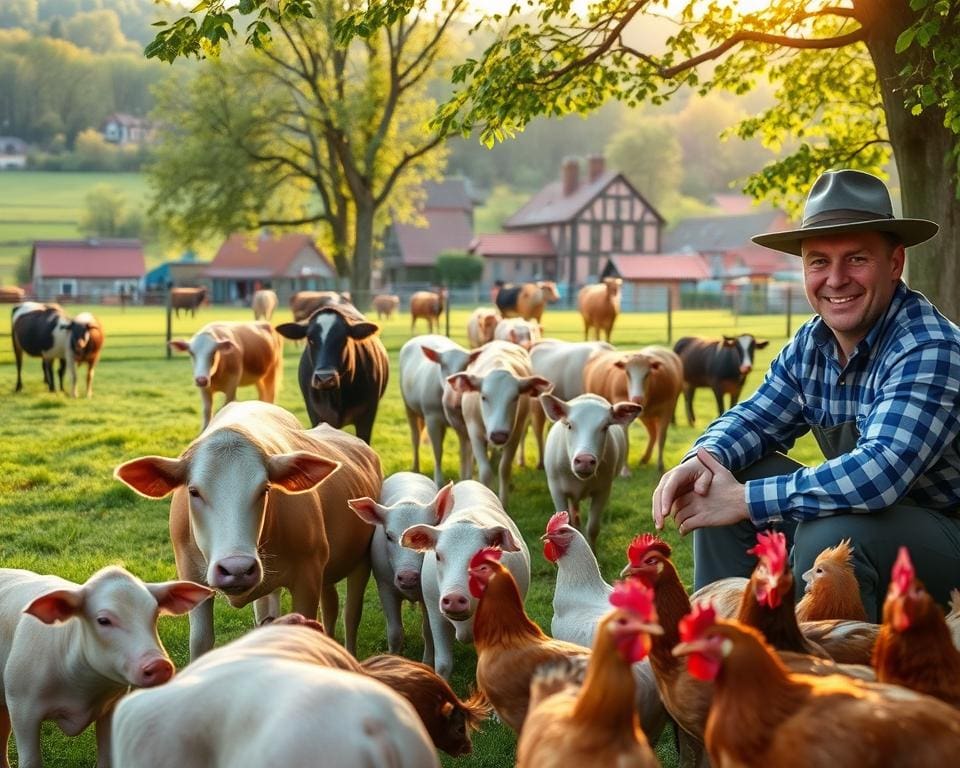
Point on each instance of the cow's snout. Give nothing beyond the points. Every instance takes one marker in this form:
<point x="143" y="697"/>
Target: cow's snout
<point x="746" y="368"/>
<point x="499" y="437"/>
<point x="584" y="464"/>
<point x="325" y="380"/>
<point x="157" y="671"/>
<point x="455" y="605"/>
<point x="638" y="399"/>
<point x="201" y="381"/>
<point x="236" y="574"/>
<point x="408" y="580"/>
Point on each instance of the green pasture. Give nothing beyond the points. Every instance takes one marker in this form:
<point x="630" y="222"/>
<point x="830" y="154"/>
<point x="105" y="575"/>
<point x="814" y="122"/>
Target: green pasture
<point x="63" y="513"/>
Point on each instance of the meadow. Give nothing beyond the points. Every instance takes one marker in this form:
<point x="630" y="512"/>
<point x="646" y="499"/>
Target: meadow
<point x="63" y="512"/>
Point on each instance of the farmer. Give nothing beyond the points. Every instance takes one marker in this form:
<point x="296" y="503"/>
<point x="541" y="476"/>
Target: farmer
<point x="876" y="376"/>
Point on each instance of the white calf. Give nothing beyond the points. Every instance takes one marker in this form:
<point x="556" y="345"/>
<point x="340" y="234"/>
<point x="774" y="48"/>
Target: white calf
<point x="519" y="331"/>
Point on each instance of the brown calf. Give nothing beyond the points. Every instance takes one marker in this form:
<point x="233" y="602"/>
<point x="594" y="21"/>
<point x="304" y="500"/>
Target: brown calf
<point x="599" y="306"/>
<point x="305" y="303"/>
<point x="385" y="305"/>
<point x="429" y="306"/>
<point x="264" y="303"/>
<point x="187" y="298"/>
<point x="527" y="300"/>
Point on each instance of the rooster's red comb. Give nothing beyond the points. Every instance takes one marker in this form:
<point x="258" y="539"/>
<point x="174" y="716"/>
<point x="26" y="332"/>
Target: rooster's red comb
<point x="634" y="596"/>
<point x="771" y="548"/>
<point x="695" y="624"/>
<point x="903" y="572"/>
<point x="642" y="544"/>
<point x="557" y="521"/>
<point x="485" y="555"/>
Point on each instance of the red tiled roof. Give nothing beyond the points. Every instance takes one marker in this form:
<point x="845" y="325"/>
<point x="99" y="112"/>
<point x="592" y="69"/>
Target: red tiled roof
<point x="757" y="260"/>
<point x="261" y="256"/>
<point x="446" y="230"/>
<point x="89" y="258"/>
<point x="661" y="267"/>
<point x="513" y="244"/>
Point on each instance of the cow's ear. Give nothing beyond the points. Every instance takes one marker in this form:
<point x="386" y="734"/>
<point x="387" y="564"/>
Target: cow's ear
<point x="464" y="382"/>
<point x="502" y="537"/>
<point x="431" y="354"/>
<point x="620" y="363"/>
<point x="474" y="354"/>
<point x="368" y="510"/>
<point x="535" y="385"/>
<point x="443" y="502"/>
<point x="513" y="336"/>
<point x="293" y="331"/>
<point x="152" y="476"/>
<point x="421" y="538"/>
<point x="56" y="606"/>
<point x="178" y="597"/>
<point x="225" y="345"/>
<point x="625" y="412"/>
<point x="762" y="344"/>
<point x="181" y="345"/>
<point x="655" y="365"/>
<point x="729" y="341"/>
<point x="361" y="331"/>
<point x="554" y="408"/>
<point x="299" y="471"/>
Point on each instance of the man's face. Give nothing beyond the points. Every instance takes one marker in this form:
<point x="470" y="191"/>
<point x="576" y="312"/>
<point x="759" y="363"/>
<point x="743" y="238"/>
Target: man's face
<point x="849" y="280"/>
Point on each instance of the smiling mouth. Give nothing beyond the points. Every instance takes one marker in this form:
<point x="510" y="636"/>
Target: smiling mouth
<point x="839" y="299"/>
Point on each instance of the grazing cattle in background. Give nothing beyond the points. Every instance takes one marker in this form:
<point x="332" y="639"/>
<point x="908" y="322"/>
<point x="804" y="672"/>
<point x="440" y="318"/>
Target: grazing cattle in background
<point x="430" y="402"/>
<point x="518" y="331"/>
<point x="497" y="387"/>
<point x="471" y="518"/>
<point x="343" y="369"/>
<point x="599" y="306"/>
<point x="271" y="698"/>
<point x="187" y="298"/>
<point x="231" y="355"/>
<point x="562" y="362"/>
<point x="481" y="325"/>
<point x="651" y="377"/>
<point x="586" y="449"/>
<point x="41" y="330"/>
<point x="406" y="498"/>
<point x="305" y="303"/>
<point x="11" y="294"/>
<point x="86" y="341"/>
<point x="254" y="510"/>
<point x="429" y="306"/>
<point x="527" y="300"/>
<point x="385" y="305"/>
<point x="69" y="651"/>
<point x="720" y="364"/>
<point x="264" y="304"/>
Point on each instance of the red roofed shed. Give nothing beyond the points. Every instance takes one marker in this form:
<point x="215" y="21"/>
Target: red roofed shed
<point x="92" y="269"/>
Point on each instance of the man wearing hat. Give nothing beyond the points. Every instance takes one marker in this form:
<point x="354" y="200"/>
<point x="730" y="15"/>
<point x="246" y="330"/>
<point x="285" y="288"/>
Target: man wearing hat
<point x="875" y="375"/>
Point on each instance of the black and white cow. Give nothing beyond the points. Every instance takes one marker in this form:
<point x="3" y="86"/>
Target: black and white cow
<point x="41" y="330"/>
<point x="721" y="364"/>
<point x="344" y="367"/>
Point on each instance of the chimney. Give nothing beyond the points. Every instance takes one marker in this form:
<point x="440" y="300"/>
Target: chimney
<point x="595" y="167"/>
<point x="570" y="175"/>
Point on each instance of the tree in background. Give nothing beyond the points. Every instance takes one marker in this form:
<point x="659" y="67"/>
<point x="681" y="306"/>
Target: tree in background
<point x="97" y="31"/>
<point x="303" y="133"/>
<point x="458" y="268"/>
<point x="647" y="151"/>
<point x="108" y="213"/>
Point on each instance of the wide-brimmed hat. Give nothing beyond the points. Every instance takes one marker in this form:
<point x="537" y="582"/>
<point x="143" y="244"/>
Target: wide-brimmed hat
<point x="848" y="201"/>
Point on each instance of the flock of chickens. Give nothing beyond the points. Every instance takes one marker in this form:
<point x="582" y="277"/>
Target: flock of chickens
<point x="743" y="670"/>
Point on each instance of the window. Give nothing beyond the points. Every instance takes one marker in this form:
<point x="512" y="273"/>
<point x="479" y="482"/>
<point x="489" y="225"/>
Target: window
<point x="68" y="287"/>
<point x="617" y="236"/>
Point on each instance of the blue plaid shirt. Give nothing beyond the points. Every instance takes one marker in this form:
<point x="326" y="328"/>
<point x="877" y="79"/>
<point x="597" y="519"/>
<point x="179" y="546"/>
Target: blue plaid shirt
<point x="902" y="387"/>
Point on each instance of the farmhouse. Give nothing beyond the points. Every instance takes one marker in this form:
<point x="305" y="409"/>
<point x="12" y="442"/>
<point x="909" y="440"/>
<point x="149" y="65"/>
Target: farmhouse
<point x="87" y="270"/>
<point x="13" y="153"/>
<point x="410" y="251"/>
<point x="286" y="263"/>
<point x="121" y="128"/>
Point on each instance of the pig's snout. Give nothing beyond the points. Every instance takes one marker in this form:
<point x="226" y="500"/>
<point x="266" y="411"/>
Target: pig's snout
<point x="455" y="605"/>
<point x="584" y="464"/>
<point x="499" y="437"/>
<point x="408" y="580"/>
<point x="236" y="574"/>
<point x="201" y="381"/>
<point x="157" y="671"/>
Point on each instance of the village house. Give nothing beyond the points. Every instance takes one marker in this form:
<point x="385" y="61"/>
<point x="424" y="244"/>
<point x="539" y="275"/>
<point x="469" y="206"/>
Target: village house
<point x="13" y="153"/>
<point x="95" y="270"/>
<point x="120" y="128"/>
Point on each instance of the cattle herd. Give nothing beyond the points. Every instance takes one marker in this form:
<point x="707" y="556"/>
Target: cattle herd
<point x="259" y="504"/>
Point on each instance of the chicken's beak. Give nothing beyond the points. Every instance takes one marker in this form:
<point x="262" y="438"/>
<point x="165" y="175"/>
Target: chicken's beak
<point x="693" y="646"/>
<point x="650" y="628"/>
<point x="628" y="570"/>
<point x="545" y="537"/>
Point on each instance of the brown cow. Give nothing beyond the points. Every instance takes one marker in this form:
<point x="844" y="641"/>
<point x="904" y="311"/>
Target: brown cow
<point x="305" y="303"/>
<point x="480" y="326"/>
<point x="264" y="303"/>
<point x="86" y="341"/>
<point x="11" y="294"/>
<point x="231" y="355"/>
<point x="429" y="306"/>
<point x="187" y="298"/>
<point x="385" y="305"/>
<point x="527" y="300"/>
<point x="599" y="306"/>
<point x="259" y="503"/>
<point x="651" y="376"/>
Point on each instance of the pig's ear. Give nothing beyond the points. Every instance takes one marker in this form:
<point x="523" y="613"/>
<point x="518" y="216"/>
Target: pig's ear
<point x="299" y="471"/>
<point x="368" y="510"/>
<point x="443" y="502"/>
<point x="152" y="476"/>
<point x="181" y="345"/>
<point x="421" y="538"/>
<point x="625" y="412"/>
<point x="498" y="536"/>
<point x="554" y="408"/>
<point x="56" y="606"/>
<point x="178" y="597"/>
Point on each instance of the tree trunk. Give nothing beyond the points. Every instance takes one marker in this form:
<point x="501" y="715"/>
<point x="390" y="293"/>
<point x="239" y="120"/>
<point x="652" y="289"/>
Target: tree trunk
<point x="362" y="254"/>
<point x="922" y="148"/>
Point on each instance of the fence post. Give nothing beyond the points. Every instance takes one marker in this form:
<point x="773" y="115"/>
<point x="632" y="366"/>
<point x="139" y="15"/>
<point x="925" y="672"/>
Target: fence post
<point x="169" y="321"/>
<point x="669" y="315"/>
<point x="789" y="310"/>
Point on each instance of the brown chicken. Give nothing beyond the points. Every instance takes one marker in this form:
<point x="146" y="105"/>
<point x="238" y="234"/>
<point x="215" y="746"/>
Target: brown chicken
<point x="832" y="590"/>
<point x="914" y="648"/>
<point x="597" y="724"/>
<point x="509" y="645"/>
<point x="763" y="715"/>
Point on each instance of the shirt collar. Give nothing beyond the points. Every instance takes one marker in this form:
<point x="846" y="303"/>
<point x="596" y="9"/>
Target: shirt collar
<point x="824" y="339"/>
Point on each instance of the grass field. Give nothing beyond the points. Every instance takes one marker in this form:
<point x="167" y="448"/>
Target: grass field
<point x="35" y="206"/>
<point x="63" y="513"/>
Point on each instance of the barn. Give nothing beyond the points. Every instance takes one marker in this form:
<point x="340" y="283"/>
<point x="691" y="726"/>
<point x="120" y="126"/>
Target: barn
<point x="93" y="271"/>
